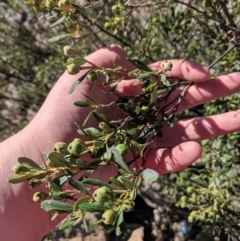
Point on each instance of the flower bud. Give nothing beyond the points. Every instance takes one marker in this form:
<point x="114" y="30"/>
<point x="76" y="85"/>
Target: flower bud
<point x="109" y="217"/>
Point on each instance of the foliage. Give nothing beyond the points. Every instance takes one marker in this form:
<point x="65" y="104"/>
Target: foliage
<point x="148" y="30"/>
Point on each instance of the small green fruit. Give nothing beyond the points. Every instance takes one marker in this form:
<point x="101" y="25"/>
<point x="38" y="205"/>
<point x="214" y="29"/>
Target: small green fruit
<point x="18" y="168"/>
<point x="101" y="195"/>
<point x="116" y="9"/>
<point x="68" y="50"/>
<point x="107" y="25"/>
<point x="109" y="217"/>
<point x="92" y="76"/>
<point x="75" y="147"/>
<point x="189" y="190"/>
<point x="73" y="68"/>
<point x="167" y="66"/>
<point x="61" y="147"/>
<point x="39" y="196"/>
<point x="128" y="205"/>
<point x="63" y="3"/>
<point x="122" y="148"/>
<point x="49" y="4"/>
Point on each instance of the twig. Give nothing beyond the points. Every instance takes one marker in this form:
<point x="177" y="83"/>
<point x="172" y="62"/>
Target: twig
<point x="219" y="58"/>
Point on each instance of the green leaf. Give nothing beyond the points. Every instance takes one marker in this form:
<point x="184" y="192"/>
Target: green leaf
<point x="79" y="60"/>
<point x="67" y="224"/>
<point x="150" y="175"/>
<point x="78" y="185"/>
<point x="91" y="131"/>
<point x="59" y="37"/>
<point x="116" y="181"/>
<point x="119" y="160"/>
<point x="57" y="158"/>
<point x="98" y="183"/>
<point x="154" y="96"/>
<point x="59" y="21"/>
<point x="24" y="177"/>
<point x="133" y="73"/>
<point x="28" y="163"/>
<point x="132" y="131"/>
<point x="120" y="222"/>
<point x="53" y="185"/>
<point x="232" y="173"/>
<point x="56" y="206"/>
<point x="101" y="117"/>
<point x="126" y="183"/>
<point x="82" y="103"/>
<point x="165" y="81"/>
<point x="78" y="81"/>
<point x="82" y="164"/>
<point x="139" y="64"/>
<point x="144" y="133"/>
<point x="81" y="200"/>
<point x="92" y="207"/>
<point x="145" y="75"/>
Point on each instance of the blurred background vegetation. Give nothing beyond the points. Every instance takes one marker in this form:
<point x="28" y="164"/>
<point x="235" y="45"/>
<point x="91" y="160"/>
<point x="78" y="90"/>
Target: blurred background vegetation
<point x="207" y="193"/>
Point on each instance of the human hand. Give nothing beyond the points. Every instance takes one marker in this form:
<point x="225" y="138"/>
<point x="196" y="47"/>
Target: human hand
<point x="178" y="146"/>
<point x="54" y="122"/>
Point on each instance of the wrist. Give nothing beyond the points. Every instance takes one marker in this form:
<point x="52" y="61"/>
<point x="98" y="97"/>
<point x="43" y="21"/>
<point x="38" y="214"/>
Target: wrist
<point x="17" y="209"/>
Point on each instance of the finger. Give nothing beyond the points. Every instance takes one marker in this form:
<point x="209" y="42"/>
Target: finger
<point x="207" y="91"/>
<point x="184" y="69"/>
<point x="200" y="128"/>
<point x="165" y="160"/>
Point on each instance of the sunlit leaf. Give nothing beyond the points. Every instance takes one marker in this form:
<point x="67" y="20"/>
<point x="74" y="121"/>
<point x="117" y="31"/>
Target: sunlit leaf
<point x="101" y="117"/>
<point x="92" y="207"/>
<point x="56" y="206"/>
<point x="150" y="175"/>
<point x="116" y="181"/>
<point x="24" y="177"/>
<point x="28" y="163"/>
<point x="119" y="160"/>
<point x="79" y="60"/>
<point x="57" y="158"/>
<point x="59" y="37"/>
<point x="76" y="82"/>
<point x="59" y="21"/>
<point x="98" y="182"/>
<point x="139" y="64"/>
<point x="128" y="184"/>
<point x="91" y="131"/>
<point x="145" y="75"/>
<point x="67" y="224"/>
<point x="154" y="96"/>
<point x="78" y="185"/>
<point x="81" y="200"/>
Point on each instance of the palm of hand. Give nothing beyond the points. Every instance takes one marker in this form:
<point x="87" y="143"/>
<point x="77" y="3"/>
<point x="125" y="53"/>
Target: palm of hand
<point x="60" y="113"/>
